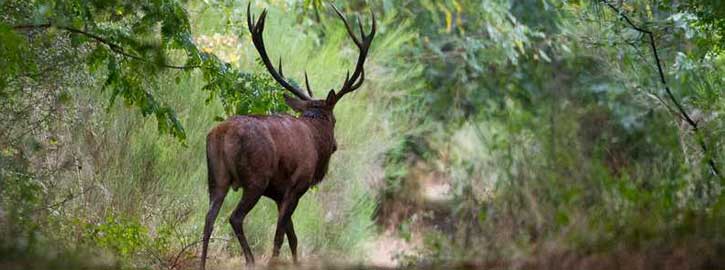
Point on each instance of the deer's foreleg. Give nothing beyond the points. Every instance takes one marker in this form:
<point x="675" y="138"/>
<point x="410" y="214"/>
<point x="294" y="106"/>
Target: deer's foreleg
<point x="291" y="235"/>
<point x="292" y="239"/>
<point x="284" y="224"/>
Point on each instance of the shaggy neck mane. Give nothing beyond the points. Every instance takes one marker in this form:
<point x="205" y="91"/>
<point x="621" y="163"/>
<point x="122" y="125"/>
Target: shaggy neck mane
<point x="315" y="114"/>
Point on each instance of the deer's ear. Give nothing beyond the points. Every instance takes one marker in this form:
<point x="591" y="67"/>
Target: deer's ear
<point x="331" y="98"/>
<point x="294" y="103"/>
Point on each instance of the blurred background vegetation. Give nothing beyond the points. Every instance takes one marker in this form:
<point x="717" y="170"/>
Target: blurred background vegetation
<point x="491" y="133"/>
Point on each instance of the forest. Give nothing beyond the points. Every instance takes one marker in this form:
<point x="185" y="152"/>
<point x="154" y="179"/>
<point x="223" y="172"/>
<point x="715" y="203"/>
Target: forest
<point x="488" y="134"/>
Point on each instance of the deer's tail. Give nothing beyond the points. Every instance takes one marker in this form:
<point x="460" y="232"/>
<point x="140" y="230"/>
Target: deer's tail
<point x="210" y="171"/>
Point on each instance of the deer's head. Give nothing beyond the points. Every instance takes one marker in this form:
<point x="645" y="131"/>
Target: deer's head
<point x="302" y="102"/>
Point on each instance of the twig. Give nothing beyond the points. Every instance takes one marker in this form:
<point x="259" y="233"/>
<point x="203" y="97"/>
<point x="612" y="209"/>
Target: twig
<point x="114" y="47"/>
<point x="680" y="108"/>
<point x="68" y="198"/>
<point x="174" y="264"/>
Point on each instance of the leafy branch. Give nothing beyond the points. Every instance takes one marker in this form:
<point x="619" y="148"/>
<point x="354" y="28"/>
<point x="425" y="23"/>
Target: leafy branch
<point x="683" y="114"/>
<point x="132" y="59"/>
<point x="114" y="47"/>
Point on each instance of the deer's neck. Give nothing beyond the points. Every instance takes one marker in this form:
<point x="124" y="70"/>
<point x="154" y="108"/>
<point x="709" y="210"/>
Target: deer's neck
<point x="324" y="137"/>
<point x="315" y="114"/>
<point x="323" y="133"/>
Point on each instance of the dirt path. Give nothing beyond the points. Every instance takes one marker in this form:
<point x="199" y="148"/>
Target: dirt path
<point x="384" y="250"/>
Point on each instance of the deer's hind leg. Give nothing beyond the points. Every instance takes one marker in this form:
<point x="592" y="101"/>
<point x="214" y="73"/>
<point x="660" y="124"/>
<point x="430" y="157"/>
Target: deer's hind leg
<point x="218" y="189"/>
<point x="250" y="196"/>
<point x="216" y="199"/>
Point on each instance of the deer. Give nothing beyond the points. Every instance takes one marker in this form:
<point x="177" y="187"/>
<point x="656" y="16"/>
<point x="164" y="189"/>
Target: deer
<point x="278" y="156"/>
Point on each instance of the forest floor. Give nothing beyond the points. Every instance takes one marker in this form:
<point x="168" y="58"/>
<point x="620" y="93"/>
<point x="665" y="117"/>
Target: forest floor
<point x="385" y="250"/>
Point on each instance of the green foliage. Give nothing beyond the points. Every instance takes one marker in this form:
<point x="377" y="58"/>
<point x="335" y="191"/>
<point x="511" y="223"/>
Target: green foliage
<point x="540" y="127"/>
<point x="136" y="43"/>
<point x="243" y="93"/>
<point x="567" y="137"/>
<point x="464" y="43"/>
<point x="21" y="194"/>
<point x="11" y="55"/>
<point x="123" y="236"/>
<point x="710" y="20"/>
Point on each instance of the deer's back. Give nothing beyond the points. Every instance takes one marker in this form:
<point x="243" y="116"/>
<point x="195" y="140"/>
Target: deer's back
<point x="263" y="151"/>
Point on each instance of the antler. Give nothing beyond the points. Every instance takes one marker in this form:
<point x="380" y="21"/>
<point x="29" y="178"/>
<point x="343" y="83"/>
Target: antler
<point x="256" y="31"/>
<point x="351" y="83"/>
<point x="363" y="44"/>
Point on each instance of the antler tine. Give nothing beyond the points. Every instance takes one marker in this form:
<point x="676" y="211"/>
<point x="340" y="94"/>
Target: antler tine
<point x="360" y="81"/>
<point x="257" y="30"/>
<point x="358" y="76"/>
<point x="307" y="83"/>
<point x="250" y="19"/>
<point x="347" y="25"/>
<point x="347" y="77"/>
<point x="262" y="20"/>
<point x="373" y="28"/>
<point x="359" y="24"/>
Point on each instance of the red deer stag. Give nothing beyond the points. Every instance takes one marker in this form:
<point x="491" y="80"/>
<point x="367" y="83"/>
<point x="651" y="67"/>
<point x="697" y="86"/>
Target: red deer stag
<point x="278" y="156"/>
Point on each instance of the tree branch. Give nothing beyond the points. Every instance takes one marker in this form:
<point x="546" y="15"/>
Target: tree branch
<point x="68" y="198"/>
<point x="98" y="39"/>
<point x="672" y="97"/>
